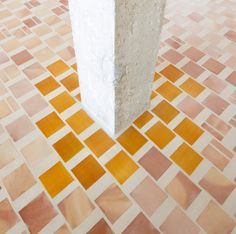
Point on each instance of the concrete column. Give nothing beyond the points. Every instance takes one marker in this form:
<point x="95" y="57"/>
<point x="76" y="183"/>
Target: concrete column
<point x="116" y="44"/>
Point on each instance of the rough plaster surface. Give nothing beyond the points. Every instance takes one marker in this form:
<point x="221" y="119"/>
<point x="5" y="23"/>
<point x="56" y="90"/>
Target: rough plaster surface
<point x="116" y="44"/>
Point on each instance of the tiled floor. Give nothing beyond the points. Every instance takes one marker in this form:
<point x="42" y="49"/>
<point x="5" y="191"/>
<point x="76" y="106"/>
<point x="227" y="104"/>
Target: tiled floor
<point x="173" y="171"/>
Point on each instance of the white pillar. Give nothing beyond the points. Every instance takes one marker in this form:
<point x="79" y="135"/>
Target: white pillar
<point x="116" y="44"/>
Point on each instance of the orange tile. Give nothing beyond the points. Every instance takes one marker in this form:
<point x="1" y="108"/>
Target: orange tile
<point x="50" y="124"/>
<point x="88" y="171"/>
<point x="169" y="91"/>
<point x="165" y="111"/>
<point x="99" y="142"/>
<point x="58" y="67"/>
<point x="71" y="82"/>
<point x="122" y="167"/>
<point x="157" y="76"/>
<point x="186" y="158"/>
<point x="172" y="73"/>
<point x="192" y="87"/>
<point x="160" y="135"/>
<point x="79" y="121"/>
<point x="153" y="95"/>
<point x="78" y="97"/>
<point x="56" y="179"/>
<point x="62" y="102"/>
<point x="132" y="140"/>
<point x="74" y="66"/>
<point x="47" y="85"/>
<point x="143" y="119"/>
<point x="189" y="131"/>
<point x="68" y="146"/>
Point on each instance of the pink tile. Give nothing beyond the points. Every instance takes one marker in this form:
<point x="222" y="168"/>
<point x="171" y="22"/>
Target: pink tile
<point x="214" y="220"/>
<point x="178" y="223"/>
<point x="3" y="58"/>
<point x="34" y="105"/>
<point x="232" y="78"/>
<point x="63" y="230"/>
<point x="76" y="207"/>
<point x="212" y="131"/>
<point x="231" y="62"/>
<point x="217" y="185"/>
<point x="29" y="22"/>
<point x="140" y="225"/>
<point x="22" y="57"/>
<point x="194" y="40"/>
<point x="67" y="53"/>
<point x="174" y="44"/>
<point x="214" y="66"/>
<point x="19" y="181"/>
<point x="194" y="54"/>
<point x="20" y="128"/>
<point x="215" y="84"/>
<point x="149" y="196"/>
<point x="5" y="109"/>
<point x="115" y="198"/>
<point x="155" y="163"/>
<point x="193" y="69"/>
<point x="100" y="227"/>
<point x="21" y="88"/>
<point x="216" y="103"/>
<point x="38" y="213"/>
<point x="173" y="56"/>
<point x="231" y="35"/>
<point x="196" y="17"/>
<point x="3" y="90"/>
<point x="34" y="71"/>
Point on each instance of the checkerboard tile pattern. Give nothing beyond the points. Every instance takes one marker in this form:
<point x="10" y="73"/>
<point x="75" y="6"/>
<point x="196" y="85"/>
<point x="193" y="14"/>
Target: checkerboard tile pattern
<point x="172" y="171"/>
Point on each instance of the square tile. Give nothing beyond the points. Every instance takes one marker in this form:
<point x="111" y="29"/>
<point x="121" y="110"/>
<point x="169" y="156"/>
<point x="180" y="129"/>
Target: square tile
<point x="173" y="56"/>
<point x="100" y="227"/>
<point x="50" y="124"/>
<point x="5" y="109"/>
<point x="115" y="198"/>
<point x="215" y="84"/>
<point x="88" y="171"/>
<point x="47" y="85"/>
<point x="143" y="119"/>
<point x="20" y="88"/>
<point x="165" y="111"/>
<point x="189" y="131"/>
<point x="43" y="55"/>
<point x="193" y="69"/>
<point x="3" y="58"/>
<point x="99" y="142"/>
<point x="132" y="140"/>
<point x="160" y="135"/>
<point x="38" y="213"/>
<point x="68" y="146"/>
<point x="186" y="158"/>
<point x="183" y="190"/>
<point x="76" y="207"/>
<point x="194" y="54"/>
<point x="71" y="82"/>
<point x="232" y="78"/>
<point x="55" y="179"/>
<point x="22" y="57"/>
<point x="57" y="68"/>
<point x="121" y="166"/>
<point x="149" y="196"/>
<point x="214" y="220"/>
<point x="192" y="87"/>
<point x="34" y="71"/>
<point x="231" y="35"/>
<point x="214" y="66"/>
<point x="218" y="124"/>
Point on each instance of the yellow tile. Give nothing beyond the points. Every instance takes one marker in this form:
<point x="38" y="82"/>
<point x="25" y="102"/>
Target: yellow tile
<point x="50" y="124"/>
<point x="88" y="171"/>
<point x="47" y="85"/>
<point x="68" y="146"/>
<point x="99" y="142"/>
<point x="165" y="111"/>
<point x="74" y="66"/>
<point x="143" y="119"/>
<point x="192" y="87"/>
<point x="56" y="179"/>
<point x="186" y="158"/>
<point x="122" y="167"/>
<point x="132" y="140"/>
<point x="58" y="68"/>
<point x="153" y="95"/>
<point x="156" y="76"/>
<point x="62" y="102"/>
<point x="79" y="121"/>
<point x="71" y="82"/>
<point x="169" y="91"/>
<point x="160" y="135"/>
<point x="189" y="131"/>
<point x="172" y="73"/>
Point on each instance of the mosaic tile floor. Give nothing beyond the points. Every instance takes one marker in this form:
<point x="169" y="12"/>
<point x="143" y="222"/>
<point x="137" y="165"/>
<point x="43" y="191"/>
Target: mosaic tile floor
<point x="173" y="171"/>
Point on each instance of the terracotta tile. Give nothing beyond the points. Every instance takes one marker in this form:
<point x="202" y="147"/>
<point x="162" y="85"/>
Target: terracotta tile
<point x="47" y="85"/>
<point x="231" y="35"/>
<point x="173" y="221"/>
<point x="50" y="124"/>
<point x="171" y="42"/>
<point x="100" y="227"/>
<point x="193" y="69"/>
<point x="115" y="198"/>
<point x="29" y="22"/>
<point x="217" y="185"/>
<point x="8" y="217"/>
<point x="132" y="140"/>
<point x="19" y="181"/>
<point x="21" y="88"/>
<point x="165" y="111"/>
<point x="140" y="225"/>
<point x="143" y="119"/>
<point x="186" y="158"/>
<point x="71" y="82"/>
<point x="34" y="71"/>
<point x="173" y="56"/>
<point x="76" y="207"/>
<point x="63" y="230"/>
<point x="68" y="146"/>
<point x="192" y="87"/>
<point x="22" y="57"/>
<point x="232" y="78"/>
<point x="214" y="66"/>
<point x="212" y="131"/>
<point x="76" y="119"/>
<point x="168" y="91"/>
<point x="62" y="102"/>
<point x="194" y="54"/>
<point x="215" y="84"/>
<point x="183" y="190"/>
<point x="214" y="220"/>
<point x="99" y="142"/>
<point x="189" y="131"/>
<point x="88" y="171"/>
<point x="38" y="213"/>
<point x="3" y="58"/>
<point x="57" y="68"/>
<point x="55" y="179"/>
<point x="160" y="135"/>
